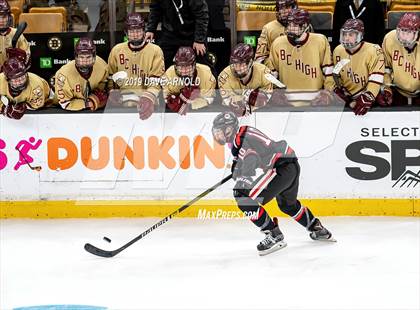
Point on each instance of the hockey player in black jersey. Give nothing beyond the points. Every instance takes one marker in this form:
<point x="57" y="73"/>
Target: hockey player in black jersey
<point x="251" y="149"/>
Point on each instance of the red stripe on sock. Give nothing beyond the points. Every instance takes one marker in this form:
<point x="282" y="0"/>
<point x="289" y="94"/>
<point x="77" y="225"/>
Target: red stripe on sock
<point x="260" y="213"/>
<point x="301" y="213"/>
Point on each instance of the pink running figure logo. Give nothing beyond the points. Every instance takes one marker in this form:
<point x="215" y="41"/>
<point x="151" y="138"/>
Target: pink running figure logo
<point x="24" y="147"/>
<point x="3" y="157"/>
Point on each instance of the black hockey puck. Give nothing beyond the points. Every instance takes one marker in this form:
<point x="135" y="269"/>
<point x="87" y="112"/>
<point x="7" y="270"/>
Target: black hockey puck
<point x="107" y="239"/>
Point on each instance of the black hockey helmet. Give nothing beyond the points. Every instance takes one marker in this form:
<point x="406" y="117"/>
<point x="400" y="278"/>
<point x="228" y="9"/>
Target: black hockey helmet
<point x="225" y="126"/>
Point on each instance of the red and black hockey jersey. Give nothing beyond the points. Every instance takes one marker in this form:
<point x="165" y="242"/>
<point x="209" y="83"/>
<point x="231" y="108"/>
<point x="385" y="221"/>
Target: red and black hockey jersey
<point x="252" y="149"/>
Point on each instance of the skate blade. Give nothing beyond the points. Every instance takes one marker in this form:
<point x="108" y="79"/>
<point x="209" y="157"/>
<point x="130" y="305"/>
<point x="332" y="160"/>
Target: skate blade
<point x="326" y="240"/>
<point x="275" y="248"/>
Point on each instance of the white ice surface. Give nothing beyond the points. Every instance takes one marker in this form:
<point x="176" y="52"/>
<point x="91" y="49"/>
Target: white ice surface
<point x="193" y="264"/>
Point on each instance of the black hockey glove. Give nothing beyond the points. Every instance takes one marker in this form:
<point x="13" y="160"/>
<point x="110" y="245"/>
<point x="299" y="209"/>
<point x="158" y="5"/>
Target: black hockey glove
<point x="243" y="186"/>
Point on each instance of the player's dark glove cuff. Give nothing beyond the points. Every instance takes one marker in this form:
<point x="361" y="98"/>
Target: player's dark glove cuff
<point x="243" y="186"/>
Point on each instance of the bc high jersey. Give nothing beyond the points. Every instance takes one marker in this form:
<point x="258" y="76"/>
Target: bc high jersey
<point x="402" y="67"/>
<point x="365" y="71"/>
<point x="305" y="68"/>
<point x="140" y="66"/>
<point x="232" y="88"/>
<point x="34" y="95"/>
<point x="269" y="33"/>
<point x="204" y="79"/>
<point x="73" y="90"/>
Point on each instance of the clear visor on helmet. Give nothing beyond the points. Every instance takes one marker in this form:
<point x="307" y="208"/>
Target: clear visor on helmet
<point x="19" y="83"/>
<point x="219" y="135"/>
<point x="350" y="38"/>
<point x="241" y="69"/>
<point x="407" y="37"/>
<point x="4" y="20"/>
<point x="185" y="71"/>
<point x="295" y="31"/>
<point x="85" y="61"/>
<point x="135" y="36"/>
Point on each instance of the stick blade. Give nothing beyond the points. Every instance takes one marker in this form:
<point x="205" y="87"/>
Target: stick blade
<point x="340" y="65"/>
<point x="120" y="75"/>
<point x="99" y="252"/>
<point x="272" y="79"/>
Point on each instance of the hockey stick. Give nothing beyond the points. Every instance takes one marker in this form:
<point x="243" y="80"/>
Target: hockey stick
<point x="103" y="253"/>
<point x="271" y="78"/>
<point x="19" y="30"/>
<point x="120" y="75"/>
<point x="37" y="168"/>
<point x="337" y="69"/>
<point x="118" y="78"/>
<point x="337" y="78"/>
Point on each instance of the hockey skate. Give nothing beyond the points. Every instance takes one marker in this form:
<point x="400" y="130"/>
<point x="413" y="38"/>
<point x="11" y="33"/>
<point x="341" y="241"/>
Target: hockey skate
<point x="320" y="233"/>
<point x="272" y="242"/>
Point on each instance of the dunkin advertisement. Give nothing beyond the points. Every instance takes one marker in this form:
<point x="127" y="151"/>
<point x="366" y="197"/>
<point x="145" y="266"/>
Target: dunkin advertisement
<point x="118" y="156"/>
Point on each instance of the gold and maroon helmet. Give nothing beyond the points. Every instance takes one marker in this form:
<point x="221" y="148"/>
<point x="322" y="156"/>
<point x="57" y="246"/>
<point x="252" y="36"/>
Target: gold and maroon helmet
<point x="134" y="29"/>
<point x="354" y="26"/>
<point x="15" y="72"/>
<point x="298" y="23"/>
<point x="85" y="47"/>
<point x="6" y="20"/>
<point x="283" y="8"/>
<point x="134" y="21"/>
<point x="14" y="52"/>
<point x="408" y="29"/>
<point x="241" y="60"/>
<point x="184" y="61"/>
